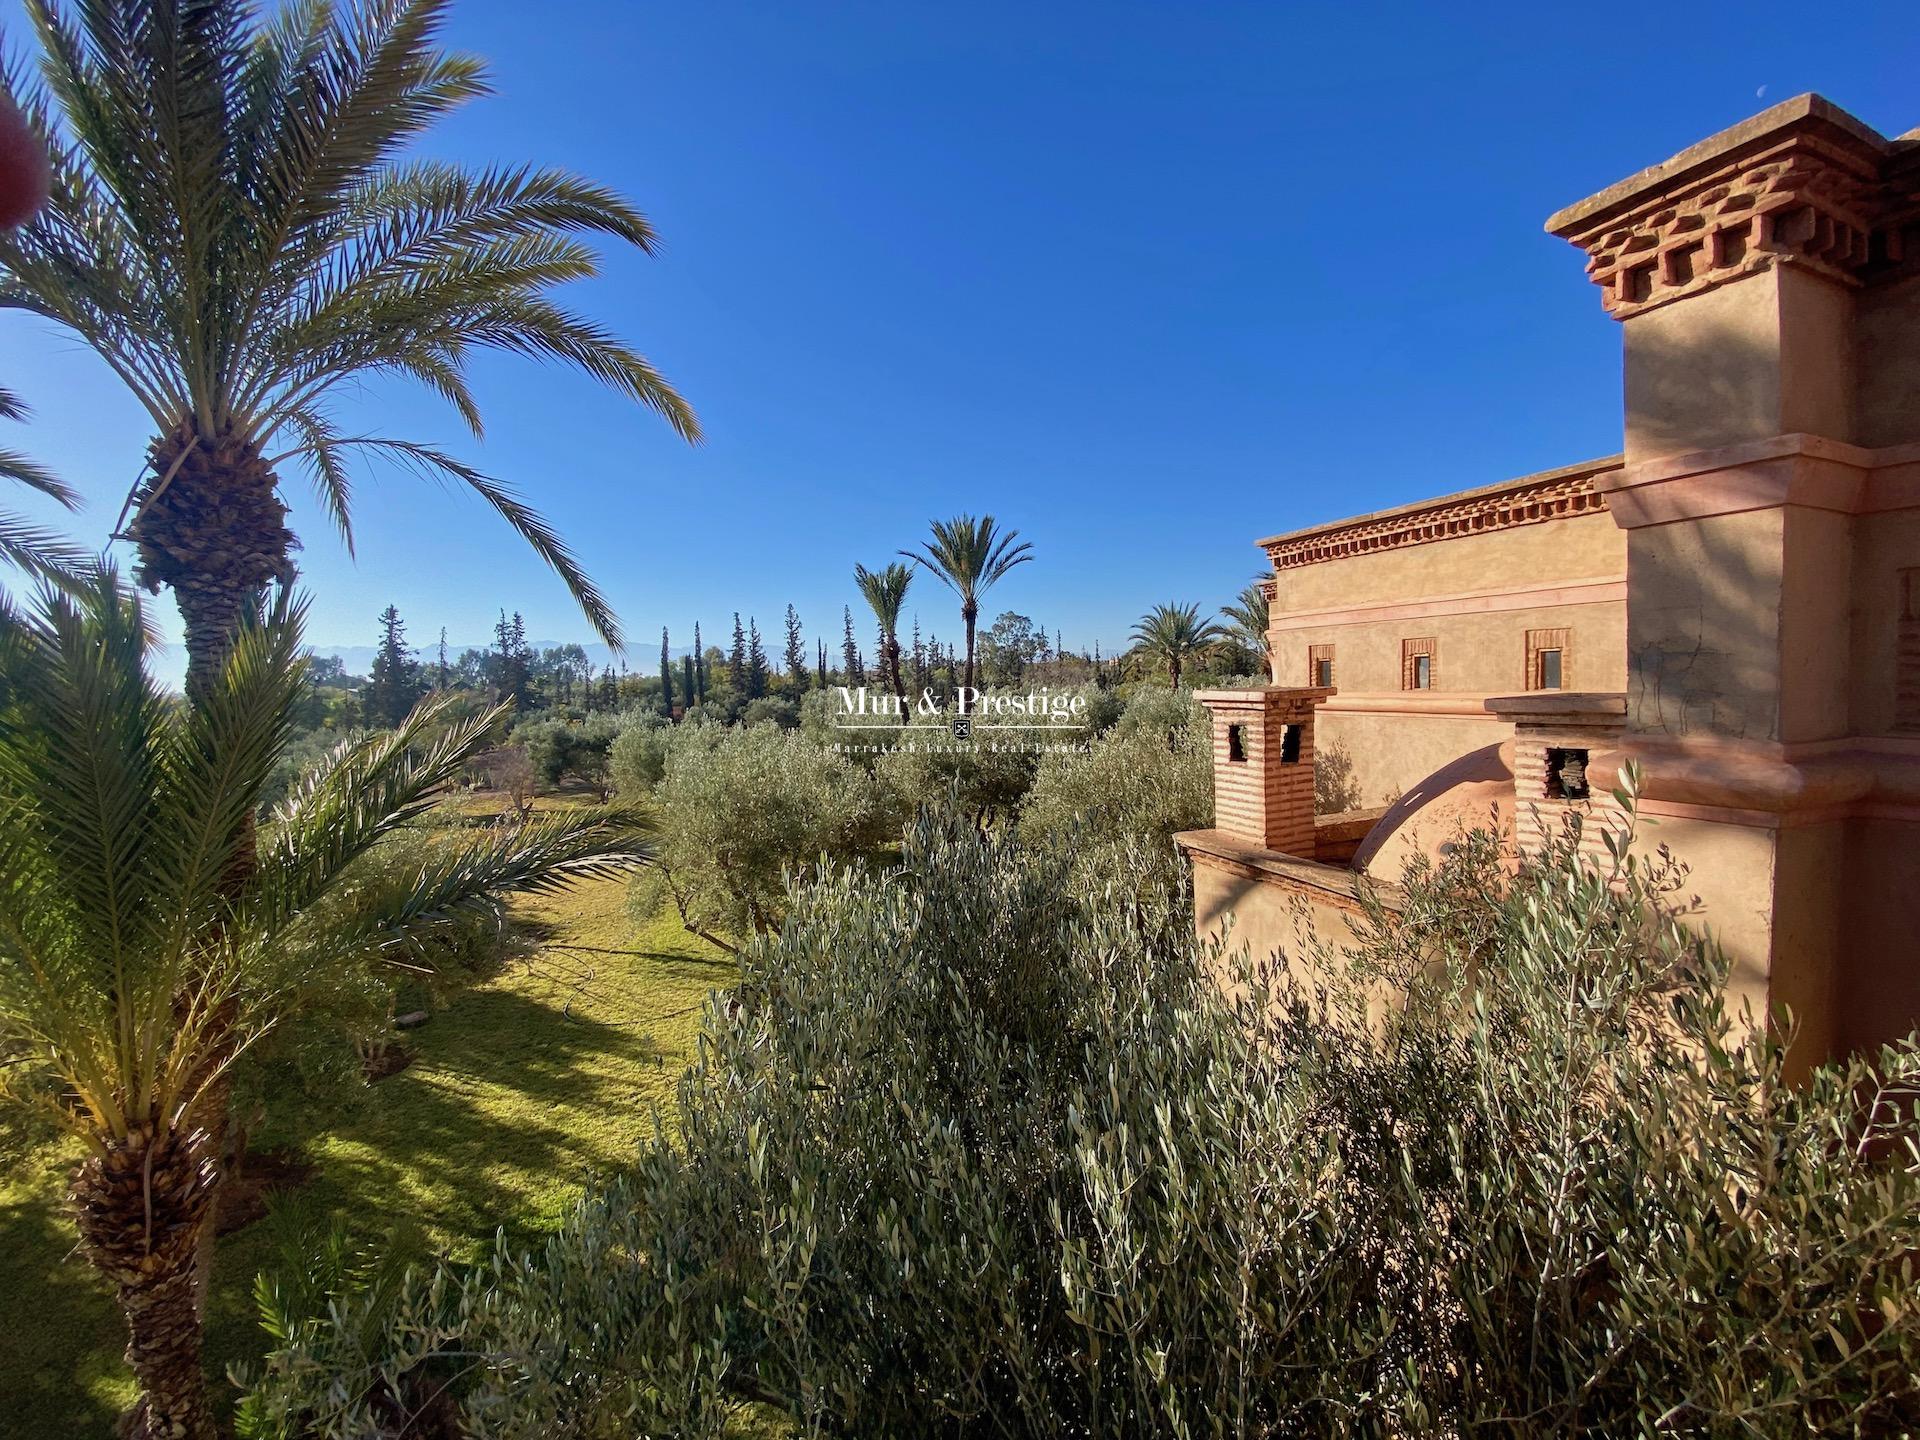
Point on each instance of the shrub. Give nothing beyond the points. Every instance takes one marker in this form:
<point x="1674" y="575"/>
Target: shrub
<point x="561" y="749"/>
<point x="772" y="710"/>
<point x="739" y="811"/>
<point x="1128" y="793"/>
<point x="637" y="758"/>
<point x="971" y="1153"/>
<point x="985" y="779"/>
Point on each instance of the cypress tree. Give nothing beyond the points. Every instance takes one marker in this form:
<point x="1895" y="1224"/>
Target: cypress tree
<point x="796" y="650"/>
<point x="666" y="674"/>
<point x="686" y="678"/>
<point x="850" y="653"/>
<point x="756" y="661"/>
<point x="823" y="663"/>
<point x="699" y="667"/>
<point x="737" y="658"/>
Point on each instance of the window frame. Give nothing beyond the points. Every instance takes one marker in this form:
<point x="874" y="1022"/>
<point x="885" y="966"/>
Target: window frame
<point x="1318" y="655"/>
<point x="1539" y="642"/>
<point x="1411" y="652"/>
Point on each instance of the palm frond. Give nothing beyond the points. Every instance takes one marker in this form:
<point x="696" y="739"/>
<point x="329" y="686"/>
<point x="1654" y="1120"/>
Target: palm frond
<point x="393" y="919"/>
<point x="971" y="554"/>
<point x="361" y="792"/>
<point x="234" y="227"/>
<point x="885" y="592"/>
<point x="436" y="464"/>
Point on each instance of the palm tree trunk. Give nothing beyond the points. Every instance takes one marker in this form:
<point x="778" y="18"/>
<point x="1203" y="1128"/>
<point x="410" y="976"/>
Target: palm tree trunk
<point x="141" y="1209"/>
<point x="969" y="613"/>
<point x="893" y="672"/>
<point x="212" y="528"/>
<point x="1173" y="669"/>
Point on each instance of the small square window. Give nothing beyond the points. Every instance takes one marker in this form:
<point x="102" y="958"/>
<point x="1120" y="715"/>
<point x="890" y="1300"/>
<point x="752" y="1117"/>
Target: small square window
<point x="1416" y="664"/>
<point x="1547" y="654"/>
<point x="1290" y="746"/>
<point x="1320" y="666"/>
<point x="1237" y="744"/>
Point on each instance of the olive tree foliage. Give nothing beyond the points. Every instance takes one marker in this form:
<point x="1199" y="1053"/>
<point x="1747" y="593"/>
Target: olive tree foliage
<point x="561" y="748"/>
<point x="972" y="1152"/>
<point x="742" y="810"/>
<point x="1130" y="791"/>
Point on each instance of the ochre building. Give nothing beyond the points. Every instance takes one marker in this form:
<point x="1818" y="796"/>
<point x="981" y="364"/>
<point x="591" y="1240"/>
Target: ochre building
<point x="1733" y="602"/>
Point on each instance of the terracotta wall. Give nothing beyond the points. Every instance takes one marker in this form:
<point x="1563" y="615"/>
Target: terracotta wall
<point x="1476" y="596"/>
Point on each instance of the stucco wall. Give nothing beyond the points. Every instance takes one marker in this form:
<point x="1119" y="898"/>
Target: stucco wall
<point x="1884" y="544"/>
<point x="1476" y="596"/>
<point x="1271" y="917"/>
<point x="1580" y="547"/>
<point x="1714" y="371"/>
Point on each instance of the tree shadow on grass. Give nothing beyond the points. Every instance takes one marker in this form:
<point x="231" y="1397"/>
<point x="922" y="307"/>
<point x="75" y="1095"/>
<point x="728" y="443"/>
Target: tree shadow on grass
<point x="514" y="1103"/>
<point x="60" y="1335"/>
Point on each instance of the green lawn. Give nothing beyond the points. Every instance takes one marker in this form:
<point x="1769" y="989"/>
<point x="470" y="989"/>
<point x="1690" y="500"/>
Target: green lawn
<point x="524" y="1085"/>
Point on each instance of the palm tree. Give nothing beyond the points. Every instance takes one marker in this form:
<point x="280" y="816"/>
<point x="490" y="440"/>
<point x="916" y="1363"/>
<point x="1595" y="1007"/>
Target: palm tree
<point x="232" y="229"/>
<point x="1175" y="633"/>
<point x="1251" y="613"/>
<point x="133" y="974"/>
<point x="970" y="556"/>
<point x="886" y="592"/>
<point x="41" y="553"/>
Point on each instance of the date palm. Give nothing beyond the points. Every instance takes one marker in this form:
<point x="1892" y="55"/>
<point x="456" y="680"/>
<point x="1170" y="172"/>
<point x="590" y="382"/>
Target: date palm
<point x="1251" y="613"/>
<point x="134" y="974"/>
<point x="971" y="556"/>
<point x="39" y="552"/>
<point x="232" y="228"/>
<point x="1175" y="634"/>
<point x="886" y="592"/>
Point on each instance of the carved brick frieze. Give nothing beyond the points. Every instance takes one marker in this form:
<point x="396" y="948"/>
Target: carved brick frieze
<point x="1527" y="502"/>
<point x="1800" y="186"/>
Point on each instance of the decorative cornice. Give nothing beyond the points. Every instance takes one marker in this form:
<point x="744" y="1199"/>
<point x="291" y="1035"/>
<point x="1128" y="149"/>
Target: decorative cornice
<point x="1803" y="184"/>
<point x="1534" y="500"/>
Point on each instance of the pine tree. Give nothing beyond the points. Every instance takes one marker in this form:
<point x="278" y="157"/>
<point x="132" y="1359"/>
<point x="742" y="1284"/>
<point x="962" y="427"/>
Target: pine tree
<point x="666" y="674"/>
<point x="850" y="653"/>
<point x="796" y="650"/>
<point x="737" y="658"/>
<point x="918" y="661"/>
<point x="394" y="685"/>
<point x="756" y="662"/>
<point x="609" y="690"/>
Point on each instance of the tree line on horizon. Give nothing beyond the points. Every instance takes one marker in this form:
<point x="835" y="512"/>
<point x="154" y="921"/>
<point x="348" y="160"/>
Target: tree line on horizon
<point x="968" y="554"/>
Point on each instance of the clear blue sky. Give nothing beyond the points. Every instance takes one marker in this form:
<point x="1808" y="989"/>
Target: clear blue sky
<point x="1146" y="281"/>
